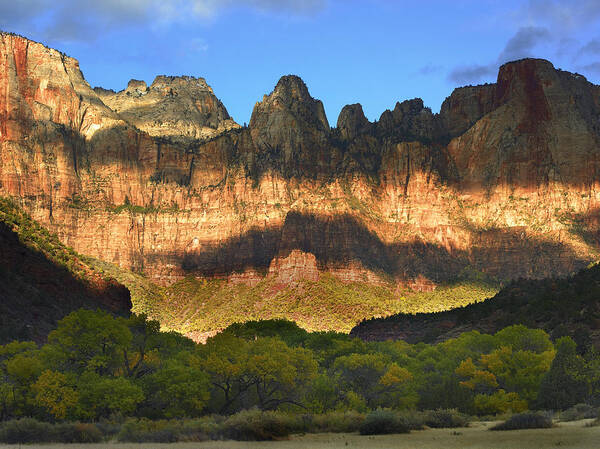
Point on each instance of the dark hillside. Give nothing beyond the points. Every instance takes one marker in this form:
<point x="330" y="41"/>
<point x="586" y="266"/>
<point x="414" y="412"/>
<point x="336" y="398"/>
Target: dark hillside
<point x="41" y="280"/>
<point x="569" y="306"/>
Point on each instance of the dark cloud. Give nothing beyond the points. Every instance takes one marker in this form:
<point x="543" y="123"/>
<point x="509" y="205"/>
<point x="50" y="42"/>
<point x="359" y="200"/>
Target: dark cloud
<point x="430" y="69"/>
<point x="561" y="14"/>
<point x="472" y="73"/>
<point x="547" y="28"/>
<point x="591" y="48"/>
<point x="594" y="67"/>
<point x="522" y="44"/>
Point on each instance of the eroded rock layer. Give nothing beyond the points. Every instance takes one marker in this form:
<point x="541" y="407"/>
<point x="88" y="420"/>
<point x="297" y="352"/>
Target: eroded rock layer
<point x="503" y="180"/>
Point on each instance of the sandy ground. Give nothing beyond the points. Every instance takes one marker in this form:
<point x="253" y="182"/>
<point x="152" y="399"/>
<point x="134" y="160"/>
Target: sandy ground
<point x="566" y="435"/>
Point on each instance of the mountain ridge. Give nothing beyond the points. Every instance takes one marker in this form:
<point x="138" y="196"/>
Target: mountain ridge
<point x="504" y="180"/>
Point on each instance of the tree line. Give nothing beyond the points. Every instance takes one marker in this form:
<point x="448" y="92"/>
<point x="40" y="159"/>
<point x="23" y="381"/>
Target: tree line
<point x="95" y="365"/>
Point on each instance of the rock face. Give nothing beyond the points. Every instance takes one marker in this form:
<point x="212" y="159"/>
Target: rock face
<point x="503" y="180"/>
<point x="179" y="107"/>
<point x="352" y="122"/>
<point x="410" y="120"/>
<point x="289" y="132"/>
<point x="465" y="106"/>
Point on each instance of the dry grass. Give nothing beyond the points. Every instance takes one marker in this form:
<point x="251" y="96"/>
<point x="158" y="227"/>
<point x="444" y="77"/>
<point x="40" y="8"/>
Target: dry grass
<point x="566" y="435"/>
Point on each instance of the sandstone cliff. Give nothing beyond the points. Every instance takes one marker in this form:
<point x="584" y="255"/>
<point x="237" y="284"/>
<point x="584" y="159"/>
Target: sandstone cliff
<point x="503" y="180"/>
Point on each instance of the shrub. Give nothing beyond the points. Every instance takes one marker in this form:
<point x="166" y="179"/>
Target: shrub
<point x="77" y="433"/>
<point x="412" y="419"/>
<point x="382" y="421"/>
<point x="256" y="425"/>
<point x="335" y="422"/>
<point x="200" y="429"/>
<point x="169" y="431"/>
<point x="443" y="419"/>
<point x="579" y="411"/>
<point x="529" y="420"/>
<point x="108" y="427"/>
<point x="146" y="431"/>
<point x="26" y="430"/>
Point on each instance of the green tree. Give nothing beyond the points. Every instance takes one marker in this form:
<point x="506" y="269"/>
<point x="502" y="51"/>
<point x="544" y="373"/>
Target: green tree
<point x="225" y="359"/>
<point x="55" y="393"/>
<point x="264" y="372"/>
<point x="102" y="396"/>
<point x="565" y="384"/>
<point x="280" y="374"/>
<point x="89" y="340"/>
<point x="375" y="379"/>
<point x="180" y="388"/>
<point x="19" y="372"/>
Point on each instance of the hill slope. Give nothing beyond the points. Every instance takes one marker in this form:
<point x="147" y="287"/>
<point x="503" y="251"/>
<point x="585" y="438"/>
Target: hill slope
<point x="569" y="306"/>
<point x="41" y="280"/>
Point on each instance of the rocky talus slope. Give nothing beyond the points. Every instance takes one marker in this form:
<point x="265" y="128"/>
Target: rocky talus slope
<point x="159" y="179"/>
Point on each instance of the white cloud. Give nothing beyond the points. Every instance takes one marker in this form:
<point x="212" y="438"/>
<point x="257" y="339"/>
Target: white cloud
<point x="86" y="19"/>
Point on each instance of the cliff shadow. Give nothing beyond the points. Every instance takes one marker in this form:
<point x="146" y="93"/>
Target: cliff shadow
<point x="36" y="292"/>
<point x="341" y="240"/>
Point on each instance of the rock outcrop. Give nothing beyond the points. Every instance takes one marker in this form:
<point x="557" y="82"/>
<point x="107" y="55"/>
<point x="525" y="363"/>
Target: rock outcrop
<point x="504" y="180"/>
<point x="352" y="122"/>
<point x="465" y="106"/>
<point x="178" y="107"/>
<point x="410" y="120"/>
<point x="289" y="132"/>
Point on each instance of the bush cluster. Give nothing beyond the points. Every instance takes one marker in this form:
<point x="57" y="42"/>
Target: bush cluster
<point x="579" y="411"/>
<point x="248" y="425"/>
<point x="28" y="430"/>
<point x="334" y="422"/>
<point x="383" y="422"/>
<point x="528" y="420"/>
<point x="445" y="419"/>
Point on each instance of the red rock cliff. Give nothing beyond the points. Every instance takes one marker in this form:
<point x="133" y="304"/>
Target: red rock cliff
<point x="503" y="180"/>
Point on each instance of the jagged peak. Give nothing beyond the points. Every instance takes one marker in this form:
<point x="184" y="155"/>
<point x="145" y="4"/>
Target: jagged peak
<point x="133" y="83"/>
<point x="349" y="111"/>
<point x="292" y="95"/>
<point x="102" y="91"/>
<point x="401" y="108"/>
<point x="413" y="105"/>
<point x="168" y="81"/>
<point x="292" y="87"/>
<point x="352" y="121"/>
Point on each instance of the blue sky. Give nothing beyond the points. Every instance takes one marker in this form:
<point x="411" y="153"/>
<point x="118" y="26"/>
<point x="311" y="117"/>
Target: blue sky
<point x="374" y="52"/>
